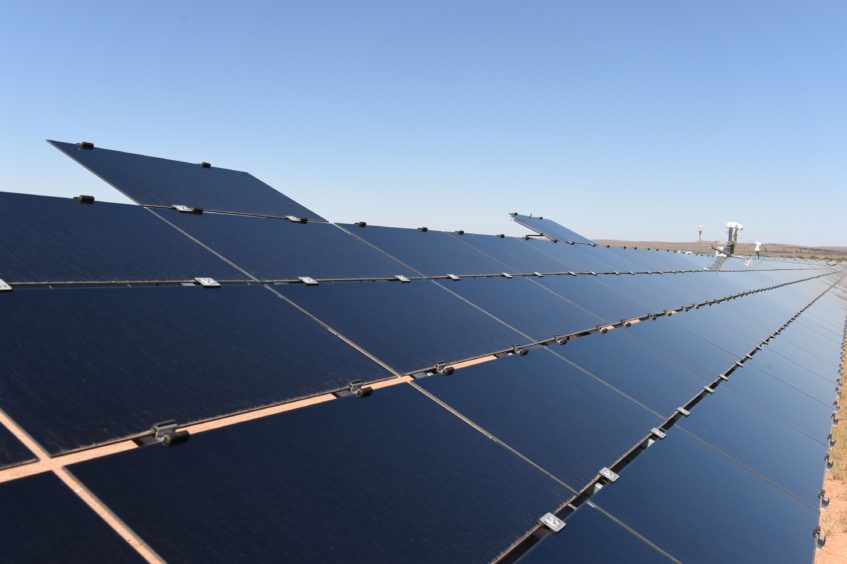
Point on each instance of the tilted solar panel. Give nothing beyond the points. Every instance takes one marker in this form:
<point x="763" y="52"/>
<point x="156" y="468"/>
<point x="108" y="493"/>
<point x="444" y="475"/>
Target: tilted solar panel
<point x="155" y="181"/>
<point x="550" y="228"/>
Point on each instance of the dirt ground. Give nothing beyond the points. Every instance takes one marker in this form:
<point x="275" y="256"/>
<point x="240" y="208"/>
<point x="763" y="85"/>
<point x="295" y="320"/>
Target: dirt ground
<point x="834" y="517"/>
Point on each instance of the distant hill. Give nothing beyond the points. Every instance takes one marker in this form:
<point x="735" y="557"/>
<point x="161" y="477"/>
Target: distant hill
<point x="769" y="249"/>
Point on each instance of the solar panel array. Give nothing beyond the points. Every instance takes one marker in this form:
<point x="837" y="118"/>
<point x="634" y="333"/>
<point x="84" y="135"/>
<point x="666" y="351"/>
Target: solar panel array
<point x="220" y="374"/>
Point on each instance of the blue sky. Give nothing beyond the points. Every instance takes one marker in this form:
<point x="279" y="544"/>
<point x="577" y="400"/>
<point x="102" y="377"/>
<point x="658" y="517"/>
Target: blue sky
<point x="619" y="119"/>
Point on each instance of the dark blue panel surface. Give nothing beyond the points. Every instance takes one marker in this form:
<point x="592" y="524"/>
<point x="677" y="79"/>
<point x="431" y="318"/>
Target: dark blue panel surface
<point x="590" y="537"/>
<point x="700" y="506"/>
<point x="12" y="452"/>
<point x="280" y="249"/>
<point x="151" y="180"/>
<point x="44" y="521"/>
<point x="785" y="347"/>
<point x="85" y="366"/>
<point x="786" y="402"/>
<point x="545" y="408"/>
<point x="389" y="478"/>
<point x="409" y="326"/>
<point x="794" y="375"/>
<point x="693" y="351"/>
<point x="715" y="324"/>
<point x="57" y="239"/>
<point x="525" y="305"/>
<point x="550" y="228"/>
<point x="761" y="442"/>
<point x="590" y="293"/>
<point x="635" y="368"/>
<point x="522" y="255"/>
<point x="432" y="253"/>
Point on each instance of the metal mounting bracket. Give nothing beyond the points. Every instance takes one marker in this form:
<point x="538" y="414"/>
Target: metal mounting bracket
<point x="307" y="280"/>
<point x="453" y="277"/>
<point x="551" y="522"/>
<point x="207" y="282"/>
<point x="165" y="433"/>
<point x="608" y="474"/>
<point x="4" y="287"/>
<point x="402" y="278"/>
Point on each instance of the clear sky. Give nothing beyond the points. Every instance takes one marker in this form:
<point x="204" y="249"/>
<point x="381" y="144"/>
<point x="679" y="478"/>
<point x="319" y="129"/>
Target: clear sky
<point x="620" y="119"/>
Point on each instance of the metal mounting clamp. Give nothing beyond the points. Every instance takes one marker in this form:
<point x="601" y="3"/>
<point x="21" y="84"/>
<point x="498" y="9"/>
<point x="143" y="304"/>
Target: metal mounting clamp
<point x="453" y="277"/>
<point x="682" y="411"/>
<point x="401" y="278"/>
<point x="658" y="433"/>
<point x="538" y="274"/>
<point x="444" y="369"/>
<point x="165" y="433"/>
<point x="297" y="219"/>
<point x="4" y="287"/>
<point x="181" y="208"/>
<point x="505" y="275"/>
<point x="307" y="280"/>
<point x="608" y="474"/>
<point x="355" y="388"/>
<point x="207" y="282"/>
<point x="551" y="522"/>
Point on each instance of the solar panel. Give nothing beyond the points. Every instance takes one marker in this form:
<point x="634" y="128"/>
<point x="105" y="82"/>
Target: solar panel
<point x="155" y="181"/>
<point x="12" y="452"/>
<point x="432" y="253"/>
<point x="550" y="229"/>
<point x="590" y="293"/>
<point x="388" y="478"/>
<point x="700" y="506"/>
<point x="591" y="537"/>
<point x="794" y="375"/>
<point x="375" y="394"/>
<point x="409" y="326"/>
<point x="693" y="351"/>
<point x="825" y="368"/>
<point x="520" y="255"/>
<point x="636" y="369"/>
<point x="57" y="239"/>
<point x="761" y="442"/>
<point x="87" y="366"/>
<point x="44" y="521"/>
<point x="548" y="410"/>
<point x="525" y="305"/>
<point x="797" y="408"/>
<point x="281" y="249"/>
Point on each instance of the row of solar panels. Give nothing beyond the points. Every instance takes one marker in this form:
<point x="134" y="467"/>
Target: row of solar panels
<point x="361" y="480"/>
<point x="55" y="240"/>
<point x="86" y="366"/>
<point x="397" y="476"/>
